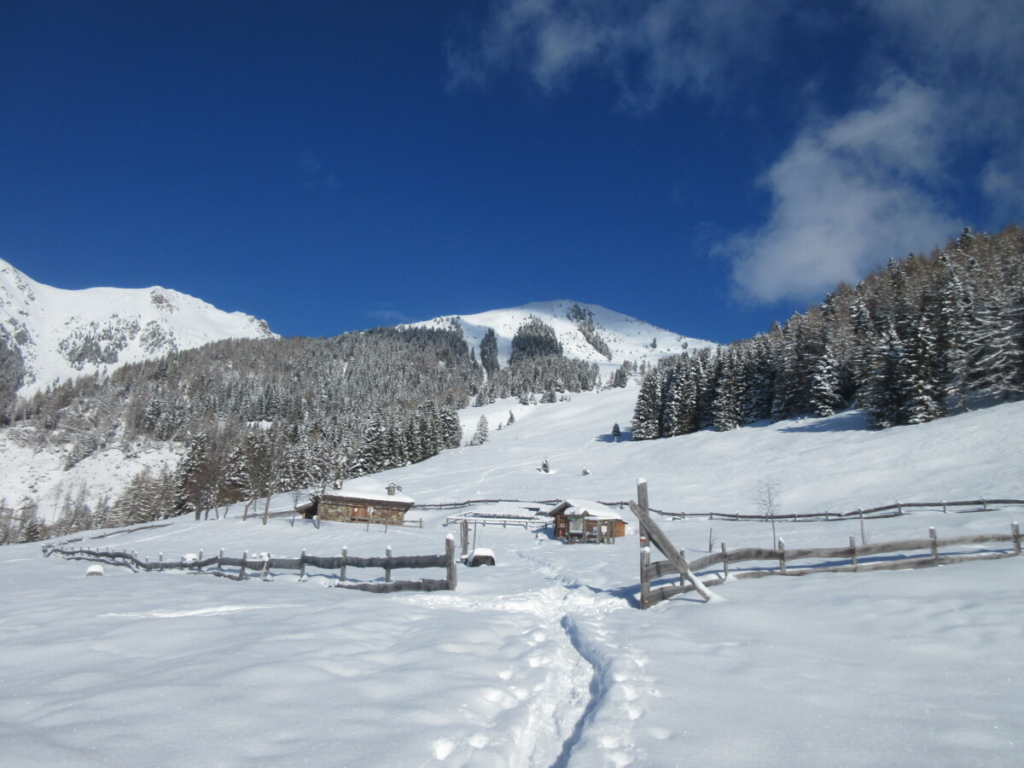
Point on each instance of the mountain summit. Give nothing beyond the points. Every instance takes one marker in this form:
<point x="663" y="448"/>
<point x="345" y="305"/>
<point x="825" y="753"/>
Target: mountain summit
<point x="49" y="334"/>
<point x="586" y="332"/>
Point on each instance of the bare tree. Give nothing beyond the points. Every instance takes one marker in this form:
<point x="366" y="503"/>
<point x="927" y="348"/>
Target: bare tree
<point x="766" y="499"/>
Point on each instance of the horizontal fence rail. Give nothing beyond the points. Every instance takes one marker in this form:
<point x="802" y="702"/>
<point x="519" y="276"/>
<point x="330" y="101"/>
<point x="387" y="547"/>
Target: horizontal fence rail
<point x="890" y="555"/>
<point x="888" y="510"/>
<point x="264" y="564"/>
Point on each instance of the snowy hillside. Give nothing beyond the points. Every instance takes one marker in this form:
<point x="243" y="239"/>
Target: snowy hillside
<point x="545" y="660"/>
<point x="63" y="334"/>
<point x="626" y="337"/>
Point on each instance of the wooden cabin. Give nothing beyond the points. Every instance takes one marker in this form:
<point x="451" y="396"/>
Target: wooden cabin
<point x="587" y="521"/>
<point x="361" y="504"/>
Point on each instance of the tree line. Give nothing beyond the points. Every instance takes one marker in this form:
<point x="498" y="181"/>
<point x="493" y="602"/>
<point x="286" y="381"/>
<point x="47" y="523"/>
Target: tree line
<point x="255" y="417"/>
<point x="910" y="343"/>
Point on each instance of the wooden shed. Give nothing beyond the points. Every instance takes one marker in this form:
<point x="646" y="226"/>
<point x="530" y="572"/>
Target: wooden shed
<point x="362" y="504"/>
<point x="587" y="521"/>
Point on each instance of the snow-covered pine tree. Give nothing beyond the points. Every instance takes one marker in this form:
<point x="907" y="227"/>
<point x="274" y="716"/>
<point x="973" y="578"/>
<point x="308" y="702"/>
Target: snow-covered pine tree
<point x="729" y="390"/>
<point x="489" y="353"/>
<point x="824" y="396"/>
<point x="480" y="435"/>
<point x="647" y="412"/>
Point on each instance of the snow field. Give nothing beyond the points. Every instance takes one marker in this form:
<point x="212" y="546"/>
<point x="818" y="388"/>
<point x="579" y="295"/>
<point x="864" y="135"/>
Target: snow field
<point x="544" y="660"/>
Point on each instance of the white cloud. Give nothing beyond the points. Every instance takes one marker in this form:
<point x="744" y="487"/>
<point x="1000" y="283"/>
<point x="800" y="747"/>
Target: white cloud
<point x="650" y="49"/>
<point x="848" y="193"/>
<point x="973" y="53"/>
<point x="846" y="196"/>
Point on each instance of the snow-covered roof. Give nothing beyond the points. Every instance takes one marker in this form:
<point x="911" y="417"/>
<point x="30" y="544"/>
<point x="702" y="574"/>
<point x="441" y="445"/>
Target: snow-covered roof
<point x="506" y="509"/>
<point x="369" y="491"/>
<point x="589" y="508"/>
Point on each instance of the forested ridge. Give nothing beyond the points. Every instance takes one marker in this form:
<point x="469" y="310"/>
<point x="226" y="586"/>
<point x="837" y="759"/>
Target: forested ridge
<point x="909" y="343"/>
<point x="255" y="417"/>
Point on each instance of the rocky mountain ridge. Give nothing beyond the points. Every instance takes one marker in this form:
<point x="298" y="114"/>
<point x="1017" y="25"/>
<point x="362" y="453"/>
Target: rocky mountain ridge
<point x="51" y="334"/>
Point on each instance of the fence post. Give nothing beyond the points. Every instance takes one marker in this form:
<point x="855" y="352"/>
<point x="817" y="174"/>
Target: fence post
<point x="1015" y="528"/>
<point x="645" y="584"/>
<point x="199" y="562"/>
<point x="220" y="566"/>
<point x="782" y="557"/>
<point x="387" y="566"/>
<point x="302" y="565"/>
<point x="725" y="561"/>
<point x="266" y="569"/>
<point x="241" y="571"/>
<point x="863" y="538"/>
<point x="645" y="550"/>
<point x="935" y="543"/>
<point x="944" y="511"/>
<point x="449" y="556"/>
<point x="464" y="537"/>
<point x="853" y="552"/>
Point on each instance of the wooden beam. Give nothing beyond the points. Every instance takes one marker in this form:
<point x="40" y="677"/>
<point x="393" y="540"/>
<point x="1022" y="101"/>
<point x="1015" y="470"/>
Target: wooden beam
<point x="664" y="544"/>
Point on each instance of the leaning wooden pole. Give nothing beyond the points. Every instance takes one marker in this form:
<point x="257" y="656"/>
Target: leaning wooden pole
<point x="659" y="539"/>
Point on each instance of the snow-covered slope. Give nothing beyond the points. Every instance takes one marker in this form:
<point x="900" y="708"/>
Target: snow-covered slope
<point x="63" y="334"/>
<point x="626" y="337"/>
<point x="544" y="659"/>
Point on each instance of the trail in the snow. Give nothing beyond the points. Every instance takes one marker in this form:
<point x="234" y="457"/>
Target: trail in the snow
<point x="586" y="675"/>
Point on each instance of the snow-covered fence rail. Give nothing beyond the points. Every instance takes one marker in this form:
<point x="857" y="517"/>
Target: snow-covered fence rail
<point x="264" y="564"/>
<point x="890" y="555"/>
<point x="480" y="502"/>
<point x="887" y="510"/>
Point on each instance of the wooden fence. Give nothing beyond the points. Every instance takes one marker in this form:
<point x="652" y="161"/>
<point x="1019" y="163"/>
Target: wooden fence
<point x="263" y="565"/>
<point x="891" y="555"/>
<point x="888" y="510"/>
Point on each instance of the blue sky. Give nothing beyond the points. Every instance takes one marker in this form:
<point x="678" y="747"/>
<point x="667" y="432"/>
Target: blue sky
<point x="705" y="166"/>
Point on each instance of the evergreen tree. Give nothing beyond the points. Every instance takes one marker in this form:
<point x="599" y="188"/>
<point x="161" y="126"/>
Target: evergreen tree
<point x="824" y="398"/>
<point x="647" y="412"/>
<point x="32" y="529"/>
<point x="489" y="353"/>
<point x="480" y="435"/>
<point x="726" y="406"/>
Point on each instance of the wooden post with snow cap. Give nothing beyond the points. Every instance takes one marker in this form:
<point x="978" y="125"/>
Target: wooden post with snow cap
<point x="1015" y="530"/>
<point x="659" y="539"/>
<point x="387" y="563"/>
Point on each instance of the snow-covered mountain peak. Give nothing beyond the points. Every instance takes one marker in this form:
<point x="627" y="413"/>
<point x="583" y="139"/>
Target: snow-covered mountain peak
<point x="586" y="332"/>
<point x="61" y="334"/>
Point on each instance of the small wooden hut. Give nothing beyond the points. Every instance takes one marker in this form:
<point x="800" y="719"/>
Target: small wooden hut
<point x="361" y="504"/>
<point x="587" y="521"/>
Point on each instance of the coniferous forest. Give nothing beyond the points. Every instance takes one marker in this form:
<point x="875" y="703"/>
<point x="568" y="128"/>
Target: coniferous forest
<point x="910" y="343"/>
<point x="256" y="417"/>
